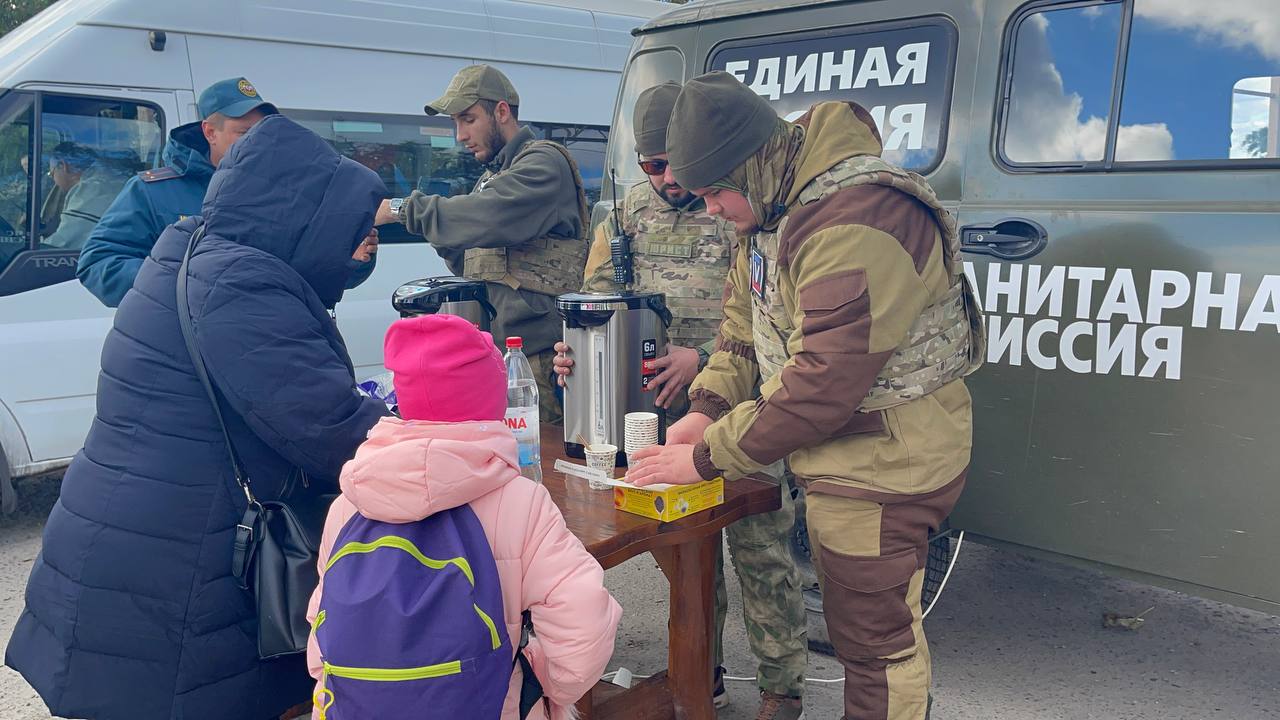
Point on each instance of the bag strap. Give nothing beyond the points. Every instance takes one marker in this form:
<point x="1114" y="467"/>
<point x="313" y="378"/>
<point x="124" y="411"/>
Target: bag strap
<point x="584" y="209"/>
<point x="248" y="529"/>
<point x="189" y="336"/>
<point x="530" y="686"/>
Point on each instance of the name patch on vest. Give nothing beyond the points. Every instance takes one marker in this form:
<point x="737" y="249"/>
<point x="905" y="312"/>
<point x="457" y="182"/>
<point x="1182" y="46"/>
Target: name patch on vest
<point x="664" y="249"/>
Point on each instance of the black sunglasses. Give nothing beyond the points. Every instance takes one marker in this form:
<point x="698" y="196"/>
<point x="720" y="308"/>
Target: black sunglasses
<point x="653" y="167"/>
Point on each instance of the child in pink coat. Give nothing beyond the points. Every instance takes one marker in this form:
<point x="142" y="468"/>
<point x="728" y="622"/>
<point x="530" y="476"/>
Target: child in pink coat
<point x="452" y="448"/>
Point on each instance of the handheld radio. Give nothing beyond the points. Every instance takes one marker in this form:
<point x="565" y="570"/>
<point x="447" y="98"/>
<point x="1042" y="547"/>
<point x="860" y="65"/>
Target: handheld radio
<point x="620" y="243"/>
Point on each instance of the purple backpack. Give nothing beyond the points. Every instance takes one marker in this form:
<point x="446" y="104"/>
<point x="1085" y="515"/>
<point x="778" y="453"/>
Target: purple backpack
<point x="411" y="623"/>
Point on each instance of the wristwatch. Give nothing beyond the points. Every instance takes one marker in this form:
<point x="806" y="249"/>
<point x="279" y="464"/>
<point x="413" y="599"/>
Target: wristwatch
<point x="397" y="209"/>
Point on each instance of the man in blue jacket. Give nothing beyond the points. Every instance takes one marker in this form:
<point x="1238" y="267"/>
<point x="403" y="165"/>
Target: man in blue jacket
<point x="155" y="199"/>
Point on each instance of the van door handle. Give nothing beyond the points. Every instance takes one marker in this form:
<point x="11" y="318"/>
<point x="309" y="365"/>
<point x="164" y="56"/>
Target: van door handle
<point x="1009" y="239"/>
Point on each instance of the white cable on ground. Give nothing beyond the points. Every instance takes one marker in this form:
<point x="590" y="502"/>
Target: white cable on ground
<point x="812" y="680"/>
<point x="955" y="555"/>
<point x="609" y="676"/>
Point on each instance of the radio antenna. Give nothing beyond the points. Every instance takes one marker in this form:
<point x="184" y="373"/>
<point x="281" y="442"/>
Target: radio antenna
<point x="617" y="209"/>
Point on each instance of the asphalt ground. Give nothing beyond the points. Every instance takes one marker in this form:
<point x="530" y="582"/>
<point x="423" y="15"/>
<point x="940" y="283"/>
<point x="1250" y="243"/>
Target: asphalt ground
<point x="1012" y="637"/>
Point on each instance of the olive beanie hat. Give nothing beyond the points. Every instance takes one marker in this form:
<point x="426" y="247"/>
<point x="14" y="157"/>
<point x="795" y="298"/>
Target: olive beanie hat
<point x="716" y="125"/>
<point x="652" y="113"/>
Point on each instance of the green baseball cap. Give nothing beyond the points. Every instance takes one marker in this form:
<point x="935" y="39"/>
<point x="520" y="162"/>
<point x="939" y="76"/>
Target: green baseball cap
<point x="233" y="97"/>
<point x="472" y="84"/>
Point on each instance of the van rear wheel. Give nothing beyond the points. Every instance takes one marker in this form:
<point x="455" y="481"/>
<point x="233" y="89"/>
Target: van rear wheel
<point x="941" y="550"/>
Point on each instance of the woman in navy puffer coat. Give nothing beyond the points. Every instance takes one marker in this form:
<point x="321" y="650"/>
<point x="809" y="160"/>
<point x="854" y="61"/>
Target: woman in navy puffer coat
<point x="131" y="610"/>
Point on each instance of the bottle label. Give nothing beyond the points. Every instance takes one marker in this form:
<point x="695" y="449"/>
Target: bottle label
<point x="523" y="422"/>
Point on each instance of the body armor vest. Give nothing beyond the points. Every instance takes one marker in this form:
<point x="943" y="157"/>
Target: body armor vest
<point x="946" y="342"/>
<point x="548" y="265"/>
<point x="683" y="254"/>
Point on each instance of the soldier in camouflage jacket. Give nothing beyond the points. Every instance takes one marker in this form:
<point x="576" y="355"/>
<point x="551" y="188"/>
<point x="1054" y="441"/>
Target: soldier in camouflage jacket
<point x="847" y="304"/>
<point x="681" y="251"/>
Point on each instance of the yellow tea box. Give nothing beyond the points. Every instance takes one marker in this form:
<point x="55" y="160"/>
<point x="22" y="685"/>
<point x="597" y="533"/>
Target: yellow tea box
<point x="669" y="502"/>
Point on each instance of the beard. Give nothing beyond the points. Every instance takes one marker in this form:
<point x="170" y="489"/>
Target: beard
<point x="493" y="144"/>
<point x="680" y="201"/>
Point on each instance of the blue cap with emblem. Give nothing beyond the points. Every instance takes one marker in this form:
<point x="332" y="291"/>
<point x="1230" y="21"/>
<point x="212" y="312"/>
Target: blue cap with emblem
<point x="233" y="98"/>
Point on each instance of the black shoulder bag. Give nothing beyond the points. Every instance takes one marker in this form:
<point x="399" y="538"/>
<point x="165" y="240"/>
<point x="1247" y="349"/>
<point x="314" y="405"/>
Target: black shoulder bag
<point x="277" y="542"/>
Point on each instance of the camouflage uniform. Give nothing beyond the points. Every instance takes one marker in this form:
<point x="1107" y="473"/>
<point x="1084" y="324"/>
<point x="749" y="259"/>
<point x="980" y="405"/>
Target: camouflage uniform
<point x="855" y="316"/>
<point x="686" y="254"/>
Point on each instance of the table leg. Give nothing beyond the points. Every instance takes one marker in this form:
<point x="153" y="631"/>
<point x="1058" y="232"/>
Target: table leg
<point x="689" y="568"/>
<point x="586" y="706"/>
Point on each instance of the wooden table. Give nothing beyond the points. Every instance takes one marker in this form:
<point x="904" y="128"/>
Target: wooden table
<point x="686" y="552"/>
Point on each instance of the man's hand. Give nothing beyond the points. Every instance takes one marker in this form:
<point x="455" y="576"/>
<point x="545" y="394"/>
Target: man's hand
<point x="689" y="429"/>
<point x="384" y="216"/>
<point x="679" y="367"/>
<point x="562" y="364"/>
<point x="368" y="246"/>
<point x="672" y="464"/>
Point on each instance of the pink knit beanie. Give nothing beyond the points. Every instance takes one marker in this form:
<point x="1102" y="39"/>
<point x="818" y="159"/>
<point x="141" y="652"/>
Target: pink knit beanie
<point x="446" y="370"/>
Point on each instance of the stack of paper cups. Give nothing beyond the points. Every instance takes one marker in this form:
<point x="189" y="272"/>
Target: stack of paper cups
<point x="640" y="430"/>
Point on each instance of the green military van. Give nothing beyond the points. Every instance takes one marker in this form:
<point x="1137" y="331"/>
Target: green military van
<point x="1115" y="166"/>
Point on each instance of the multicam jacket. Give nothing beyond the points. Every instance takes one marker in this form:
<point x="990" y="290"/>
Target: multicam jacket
<point x="859" y="324"/>
<point x="683" y="253"/>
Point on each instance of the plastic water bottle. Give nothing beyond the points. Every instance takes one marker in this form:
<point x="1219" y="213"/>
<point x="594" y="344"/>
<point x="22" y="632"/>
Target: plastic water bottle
<point x="522" y="409"/>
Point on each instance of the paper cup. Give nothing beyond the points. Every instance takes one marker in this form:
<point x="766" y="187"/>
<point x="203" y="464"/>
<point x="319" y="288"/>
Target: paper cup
<point x="640" y="428"/>
<point x="640" y="421"/>
<point x="603" y="458"/>
<point x="635" y="442"/>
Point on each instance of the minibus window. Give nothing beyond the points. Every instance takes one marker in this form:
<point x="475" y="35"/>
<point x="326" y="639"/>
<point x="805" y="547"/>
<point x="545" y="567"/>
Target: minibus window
<point x="55" y="185"/>
<point x="408" y="152"/>
<point x="419" y="153"/>
<point x="587" y="145"/>
<point x="89" y="148"/>
<point x="16" y="112"/>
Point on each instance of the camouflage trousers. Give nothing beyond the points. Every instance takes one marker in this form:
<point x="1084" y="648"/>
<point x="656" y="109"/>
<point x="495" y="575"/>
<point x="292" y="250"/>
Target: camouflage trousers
<point x="550" y="409"/>
<point x="772" y="604"/>
<point x="871" y="557"/>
